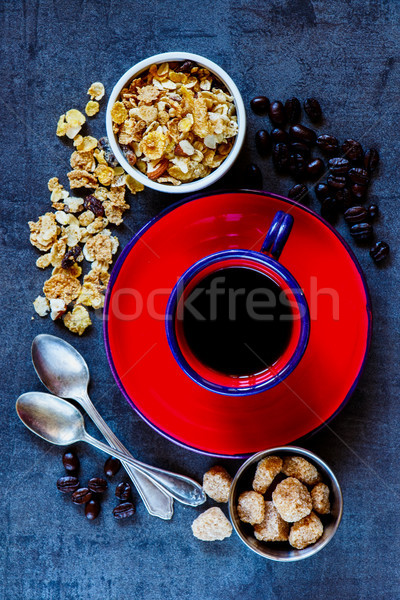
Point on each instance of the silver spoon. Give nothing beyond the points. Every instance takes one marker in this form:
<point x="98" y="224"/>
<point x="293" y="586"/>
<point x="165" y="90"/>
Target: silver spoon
<point x="59" y="422"/>
<point x="65" y="373"/>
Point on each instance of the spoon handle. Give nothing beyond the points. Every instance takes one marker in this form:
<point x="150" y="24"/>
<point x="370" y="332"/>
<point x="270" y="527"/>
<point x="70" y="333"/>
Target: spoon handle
<point x="182" y="488"/>
<point x="156" y="500"/>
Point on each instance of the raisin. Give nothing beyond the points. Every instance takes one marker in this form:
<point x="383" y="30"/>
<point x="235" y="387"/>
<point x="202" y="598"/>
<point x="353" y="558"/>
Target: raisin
<point x="95" y="205"/>
<point x="70" y="257"/>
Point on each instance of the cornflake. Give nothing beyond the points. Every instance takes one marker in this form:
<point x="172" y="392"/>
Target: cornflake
<point x="41" y="306"/>
<point x="96" y="91"/>
<point x="62" y="285"/>
<point x="92" y="108"/>
<point x="77" y="320"/>
<point x="44" y="232"/>
<point x="70" y="124"/>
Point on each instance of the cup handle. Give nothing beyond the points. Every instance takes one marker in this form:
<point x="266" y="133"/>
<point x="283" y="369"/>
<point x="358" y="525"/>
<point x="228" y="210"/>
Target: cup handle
<point x="278" y="234"/>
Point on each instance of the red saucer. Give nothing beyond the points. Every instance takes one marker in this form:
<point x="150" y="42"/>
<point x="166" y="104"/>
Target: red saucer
<point x="142" y="362"/>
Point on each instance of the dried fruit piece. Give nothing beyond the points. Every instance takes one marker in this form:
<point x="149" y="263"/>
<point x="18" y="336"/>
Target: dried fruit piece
<point x="77" y="320"/>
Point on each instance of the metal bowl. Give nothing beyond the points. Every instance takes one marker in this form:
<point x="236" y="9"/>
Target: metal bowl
<point x="282" y="551"/>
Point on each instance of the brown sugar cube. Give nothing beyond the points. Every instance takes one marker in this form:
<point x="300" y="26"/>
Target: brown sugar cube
<point x="292" y="500"/>
<point x="305" y="532"/>
<point x="320" y="499"/>
<point x="251" y="508"/>
<point x="217" y="483"/>
<point x="299" y="467"/>
<point x="267" y="469"/>
<point x="211" y="525"/>
<point x="273" y="528"/>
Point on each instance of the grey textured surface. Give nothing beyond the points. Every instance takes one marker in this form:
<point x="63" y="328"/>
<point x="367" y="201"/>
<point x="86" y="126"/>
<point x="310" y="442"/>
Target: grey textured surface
<point x="345" y="53"/>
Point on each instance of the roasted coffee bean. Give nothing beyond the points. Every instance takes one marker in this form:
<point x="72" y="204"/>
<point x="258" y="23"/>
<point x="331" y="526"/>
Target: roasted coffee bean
<point x="344" y="198"/>
<point x="361" y="231"/>
<point x="359" y="175"/>
<point x="123" y="491"/>
<point x="297" y="165"/>
<point x="95" y="205"/>
<point x="280" y="157"/>
<point x="299" y="193"/>
<point x="302" y="134"/>
<point x="112" y="466"/>
<point x="70" y="461"/>
<point x="279" y="135"/>
<point x="330" y="209"/>
<point x="355" y="214"/>
<point x="371" y="159"/>
<point x="359" y="191"/>
<point x="379" y="251"/>
<point x="92" y="509"/>
<point x="339" y="166"/>
<point x="353" y="150"/>
<point x="293" y="110"/>
<point x="186" y="66"/>
<point x="124" y="510"/>
<point x="315" y="167"/>
<point x="263" y="142"/>
<point x="81" y="496"/>
<point x="276" y="113"/>
<point x="69" y="258"/>
<point x="336" y="182"/>
<point x="327" y="143"/>
<point x="300" y="148"/>
<point x="313" y="109"/>
<point x="322" y="191"/>
<point x="67" y="484"/>
<point x="373" y="212"/>
<point x="97" y="485"/>
<point x="260" y="105"/>
<point x="104" y="144"/>
<point x="252" y="177"/>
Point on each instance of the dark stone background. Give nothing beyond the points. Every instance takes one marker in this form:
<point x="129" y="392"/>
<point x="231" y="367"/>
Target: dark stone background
<point x="346" y="54"/>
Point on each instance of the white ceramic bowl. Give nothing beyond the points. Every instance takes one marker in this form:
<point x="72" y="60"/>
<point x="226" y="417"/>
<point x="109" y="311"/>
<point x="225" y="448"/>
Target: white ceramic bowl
<point x="198" y="184"/>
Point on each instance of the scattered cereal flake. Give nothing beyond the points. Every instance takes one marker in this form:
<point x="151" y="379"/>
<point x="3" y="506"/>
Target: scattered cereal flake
<point x="54" y="184"/>
<point x="78" y="139"/>
<point x="119" y="113"/>
<point x="272" y="528"/>
<point x="98" y="225"/>
<point x="44" y="231"/>
<point x="96" y="91"/>
<point x="62" y="126"/>
<point x="70" y="124"/>
<point x="86" y="218"/>
<point x="77" y="320"/>
<point x="80" y="178"/>
<point x="116" y="195"/>
<point x="87" y="144"/>
<point x="306" y="531"/>
<point x="100" y="156"/>
<point x="292" y="500"/>
<point x="73" y="235"/>
<point x="211" y="525"/>
<point x="100" y="193"/>
<point x="104" y="174"/>
<point x="73" y="271"/>
<point x="299" y="467"/>
<point x="133" y="185"/>
<point x="251" y="507"/>
<point x="217" y="483"/>
<point x="58" y="251"/>
<point x="41" y="306"/>
<point x="267" y="469"/>
<point x="74" y="204"/>
<point x="44" y="261"/>
<point x="320" y="499"/>
<point x="99" y="248"/>
<point x="90" y="295"/>
<point x="92" y="108"/>
<point x="58" y="195"/>
<point x="57" y="307"/>
<point x="62" y="285"/>
<point x="113" y="213"/>
<point x="82" y="160"/>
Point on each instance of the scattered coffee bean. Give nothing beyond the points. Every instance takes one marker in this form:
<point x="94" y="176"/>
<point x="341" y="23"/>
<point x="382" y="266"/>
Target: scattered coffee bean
<point x="322" y="191"/>
<point x="260" y="105"/>
<point x="300" y="148"/>
<point x="379" y="251"/>
<point x="336" y="182"/>
<point x="361" y="231"/>
<point x="124" y="510"/>
<point x="355" y="214"/>
<point x="373" y="212"/>
<point x="276" y="113"/>
<point x="112" y="466"/>
<point x="293" y="110"/>
<point x="92" y="509"/>
<point x="371" y="159"/>
<point x="81" y="496"/>
<point x="123" y="491"/>
<point x="359" y="175"/>
<point x="339" y="166"/>
<point x="299" y="193"/>
<point x="97" y="485"/>
<point x="279" y="135"/>
<point x="330" y="209"/>
<point x="313" y="109"/>
<point x="67" y="484"/>
<point x="344" y="198"/>
<point x="327" y="143"/>
<point x="359" y="191"/>
<point x="280" y="157"/>
<point x="252" y="177"/>
<point x="353" y="150"/>
<point x="315" y="167"/>
<point x="263" y="142"/>
<point x="94" y="204"/>
<point x="303" y="134"/>
<point x="70" y="462"/>
<point x="297" y="165"/>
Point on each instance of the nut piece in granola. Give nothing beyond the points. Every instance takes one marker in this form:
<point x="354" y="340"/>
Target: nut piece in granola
<point x="305" y="532"/>
<point x="299" y="467"/>
<point x="320" y="499"/>
<point x="217" y="483"/>
<point x="251" y="507"/>
<point x="211" y="525"/>
<point x="41" y="306"/>
<point x="77" y="320"/>
<point x="292" y="500"/>
<point x="272" y="528"/>
<point x="267" y="469"/>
